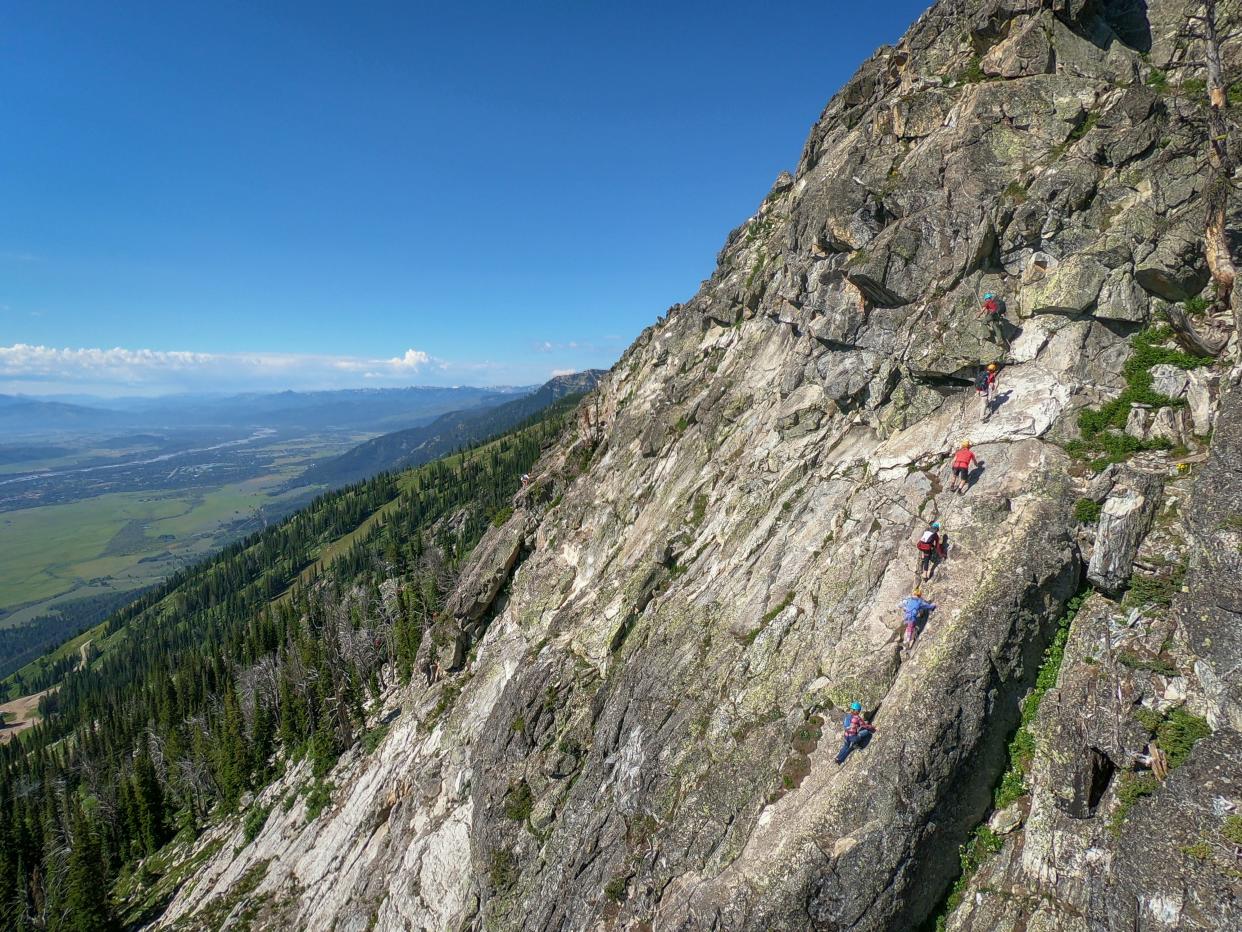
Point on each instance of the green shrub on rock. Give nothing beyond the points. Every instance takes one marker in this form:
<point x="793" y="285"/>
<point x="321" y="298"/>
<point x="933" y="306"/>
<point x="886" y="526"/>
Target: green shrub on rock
<point x="1086" y="511"/>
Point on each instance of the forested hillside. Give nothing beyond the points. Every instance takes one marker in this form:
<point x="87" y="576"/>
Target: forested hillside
<point x="417" y="445"/>
<point x="203" y="690"/>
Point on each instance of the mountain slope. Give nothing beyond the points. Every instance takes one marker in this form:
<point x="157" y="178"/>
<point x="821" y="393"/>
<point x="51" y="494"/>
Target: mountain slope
<point x="300" y="625"/>
<point x="405" y="448"/>
<point x="646" y="670"/>
<point x="630" y="699"/>
<point x="26" y="415"/>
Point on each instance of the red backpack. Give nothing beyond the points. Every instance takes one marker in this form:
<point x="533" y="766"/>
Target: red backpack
<point x="927" y="543"/>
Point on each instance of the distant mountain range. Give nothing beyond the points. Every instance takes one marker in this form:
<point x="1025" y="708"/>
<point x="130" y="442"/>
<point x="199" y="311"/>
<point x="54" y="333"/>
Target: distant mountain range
<point x="415" y="446"/>
<point x="28" y="415"/>
<point x="354" y="409"/>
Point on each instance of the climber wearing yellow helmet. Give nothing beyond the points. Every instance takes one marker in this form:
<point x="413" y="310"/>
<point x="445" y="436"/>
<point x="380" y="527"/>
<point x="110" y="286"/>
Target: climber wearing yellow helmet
<point x="914" y="613"/>
<point x="986" y="386"/>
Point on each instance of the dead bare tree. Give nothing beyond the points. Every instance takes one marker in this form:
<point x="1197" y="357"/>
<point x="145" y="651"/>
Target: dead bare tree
<point x="1216" y="239"/>
<point x="1220" y="181"/>
<point x="1190" y="338"/>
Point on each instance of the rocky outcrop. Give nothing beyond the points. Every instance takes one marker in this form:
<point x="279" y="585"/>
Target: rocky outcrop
<point x="477" y="591"/>
<point x="1124" y="521"/>
<point x="1138" y="770"/>
<point x="650" y="657"/>
<point x="1196" y="387"/>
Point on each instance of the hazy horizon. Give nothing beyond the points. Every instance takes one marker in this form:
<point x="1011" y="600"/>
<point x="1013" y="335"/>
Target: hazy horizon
<point x="83" y="397"/>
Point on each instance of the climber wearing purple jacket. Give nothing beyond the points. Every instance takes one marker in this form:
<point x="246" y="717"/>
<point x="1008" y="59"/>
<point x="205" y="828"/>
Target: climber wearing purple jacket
<point x="914" y="612"/>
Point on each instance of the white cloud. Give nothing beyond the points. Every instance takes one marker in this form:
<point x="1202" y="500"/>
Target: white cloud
<point x="549" y="346"/>
<point x="412" y="359"/>
<point x="556" y="372"/>
<point x="41" y="369"/>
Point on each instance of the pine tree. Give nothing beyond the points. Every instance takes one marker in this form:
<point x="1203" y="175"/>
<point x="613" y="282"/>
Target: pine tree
<point x="148" y="801"/>
<point x="232" y="769"/>
<point x="261" y="746"/>
<point x="86" y="907"/>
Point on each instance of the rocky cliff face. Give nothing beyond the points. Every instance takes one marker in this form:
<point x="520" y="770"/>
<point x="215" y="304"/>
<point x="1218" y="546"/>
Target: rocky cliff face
<point x="641" y="675"/>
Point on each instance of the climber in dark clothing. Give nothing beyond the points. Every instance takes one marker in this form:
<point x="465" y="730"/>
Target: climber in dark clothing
<point x="931" y="549"/>
<point x="858" y="732"/>
<point x="993" y="310"/>
<point x="986" y="387"/>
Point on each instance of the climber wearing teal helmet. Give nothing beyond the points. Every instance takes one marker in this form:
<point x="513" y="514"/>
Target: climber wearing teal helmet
<point x="994" y="310"/>
<point x="931" y="550"/>
<point x="858" y="731"/>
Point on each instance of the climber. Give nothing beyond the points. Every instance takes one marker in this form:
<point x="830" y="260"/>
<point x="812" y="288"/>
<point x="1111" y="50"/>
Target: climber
<point x="931" y="547"/>
<point x="858" y="731"/>
<point x="993" y="310"/>
<point x="985" y="387"/>
<point x="915" y="611"/>
<point x="963" y="460"/>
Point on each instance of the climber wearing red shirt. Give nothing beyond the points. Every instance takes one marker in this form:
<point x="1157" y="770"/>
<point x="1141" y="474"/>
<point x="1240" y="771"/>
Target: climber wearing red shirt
<point x="858" y="731"/>
<point x="963" y="460"/>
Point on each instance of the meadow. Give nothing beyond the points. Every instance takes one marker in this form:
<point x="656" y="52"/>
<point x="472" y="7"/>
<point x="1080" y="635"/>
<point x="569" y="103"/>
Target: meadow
<point x="122" y="540"/>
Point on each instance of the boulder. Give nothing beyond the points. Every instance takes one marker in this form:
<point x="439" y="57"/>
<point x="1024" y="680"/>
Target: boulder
<point x="494" y="560"/>
<point x="1122" y="298"/>
<point x="1201" y="395"/>
<point x="1138" y="423"/>
<point x="1124" y="521"/>
<point x="1197" y="387"/>
<point x="1005" y="820"/>
<point x="1028" y="51"/>
<point x="1071" y="287"/>
<point x="1170" y="380"/>
<point x="1174" y="269"/>
<point x="1170" y="423"/>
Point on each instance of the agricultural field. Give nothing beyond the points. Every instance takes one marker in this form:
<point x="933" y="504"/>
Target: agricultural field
<point x="121" y="540"/>
<point x="84" y="529"/>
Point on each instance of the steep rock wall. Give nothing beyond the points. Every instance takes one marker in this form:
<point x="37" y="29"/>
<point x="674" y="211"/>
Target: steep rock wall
<point x="1093" y="852"/>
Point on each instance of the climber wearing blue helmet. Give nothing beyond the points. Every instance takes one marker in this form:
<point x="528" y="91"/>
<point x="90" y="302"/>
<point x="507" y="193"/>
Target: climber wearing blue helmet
<point x="858" y="731"/>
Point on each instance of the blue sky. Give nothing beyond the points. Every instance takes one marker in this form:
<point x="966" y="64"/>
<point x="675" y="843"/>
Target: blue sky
<point x="313" y="195"/>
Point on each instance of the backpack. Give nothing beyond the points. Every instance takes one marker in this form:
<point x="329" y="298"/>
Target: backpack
<point x="927" y="542"/>
<point x="981" y="383"/>
<point x="849" y="718"/>
<point x="994" y="306"/>
<point x="911" y="608"/>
